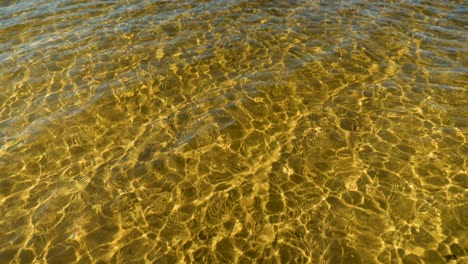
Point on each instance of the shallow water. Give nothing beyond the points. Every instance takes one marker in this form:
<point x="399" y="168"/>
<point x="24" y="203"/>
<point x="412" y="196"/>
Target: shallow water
<point x="233" y="131"/>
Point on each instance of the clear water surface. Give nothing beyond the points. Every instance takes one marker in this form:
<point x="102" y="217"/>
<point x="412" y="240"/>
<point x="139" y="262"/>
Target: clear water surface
<point x="298" y="131"/>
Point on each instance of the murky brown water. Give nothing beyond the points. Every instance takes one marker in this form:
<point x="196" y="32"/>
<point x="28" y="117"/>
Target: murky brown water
<point x="233" y="131"/>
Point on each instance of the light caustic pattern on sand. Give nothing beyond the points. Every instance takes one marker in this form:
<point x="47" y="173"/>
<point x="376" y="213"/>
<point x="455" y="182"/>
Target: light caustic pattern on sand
<point x="233" y="132"/>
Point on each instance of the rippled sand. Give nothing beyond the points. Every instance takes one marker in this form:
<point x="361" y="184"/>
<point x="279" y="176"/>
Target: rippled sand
<point x="233" y="132"/>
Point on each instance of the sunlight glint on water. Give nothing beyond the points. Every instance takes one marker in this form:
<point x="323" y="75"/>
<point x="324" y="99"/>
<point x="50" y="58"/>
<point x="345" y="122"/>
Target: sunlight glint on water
<point x="233" y="131"/>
